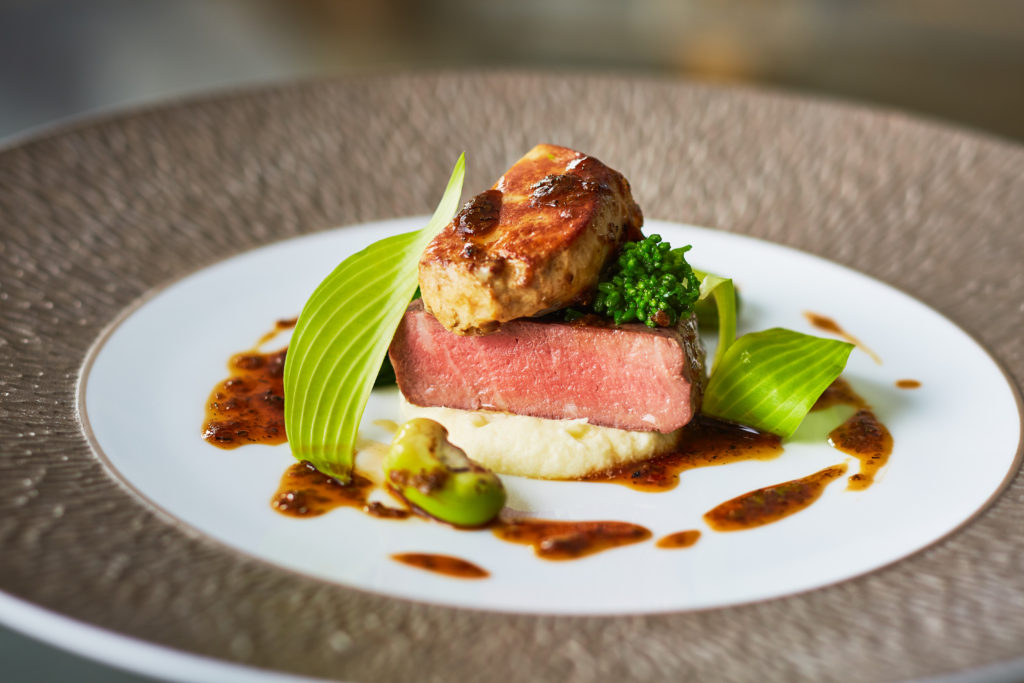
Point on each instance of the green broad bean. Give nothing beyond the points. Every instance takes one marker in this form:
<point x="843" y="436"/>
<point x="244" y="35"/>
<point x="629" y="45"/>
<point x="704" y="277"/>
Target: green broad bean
<point x="437" y="477"/>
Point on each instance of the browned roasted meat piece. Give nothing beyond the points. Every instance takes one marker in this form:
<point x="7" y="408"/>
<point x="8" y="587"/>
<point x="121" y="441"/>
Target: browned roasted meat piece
<point x="630" y="377"/>
<point x="534" y="243"/>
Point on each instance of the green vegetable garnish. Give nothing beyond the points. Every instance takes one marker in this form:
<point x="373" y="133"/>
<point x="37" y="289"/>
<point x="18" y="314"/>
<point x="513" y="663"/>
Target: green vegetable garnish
<point x="650" y="282"/>
<point x="707" y="312"/>
<point x="723" y="293"/>
<point x="424" y="468"/>
<point x="342" y="336"/>
<point x="770" y="380"/>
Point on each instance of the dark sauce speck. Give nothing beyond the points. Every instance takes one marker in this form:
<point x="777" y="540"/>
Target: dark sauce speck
<point x="442" y="564"/>
<point x="480" y="215"/>
<point x="557" y="540"/>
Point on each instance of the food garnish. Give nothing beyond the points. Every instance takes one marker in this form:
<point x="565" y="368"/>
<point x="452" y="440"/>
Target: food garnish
<point x="436" y="477"/>
<point x="769" y="380"/>
<point x="721" y="291"/>
<point x="342" y="336"/>
<point x="650" y="282"/>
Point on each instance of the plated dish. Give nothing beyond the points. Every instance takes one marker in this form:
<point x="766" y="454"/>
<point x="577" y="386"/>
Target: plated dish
<point x="227" y="494"/>
<point x="900" y="195"/>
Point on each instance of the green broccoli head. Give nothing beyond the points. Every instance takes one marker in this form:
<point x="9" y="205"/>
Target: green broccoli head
<point x="650" y="282"/>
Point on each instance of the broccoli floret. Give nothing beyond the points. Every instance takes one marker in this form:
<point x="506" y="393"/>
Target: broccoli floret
<point x="650" y="282"/>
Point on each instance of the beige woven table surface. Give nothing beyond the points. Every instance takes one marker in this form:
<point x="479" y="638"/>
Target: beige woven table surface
<point x="96" y="216"/>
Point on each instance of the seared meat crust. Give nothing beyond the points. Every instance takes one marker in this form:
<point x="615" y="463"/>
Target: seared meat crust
<point x="534" y="243"/>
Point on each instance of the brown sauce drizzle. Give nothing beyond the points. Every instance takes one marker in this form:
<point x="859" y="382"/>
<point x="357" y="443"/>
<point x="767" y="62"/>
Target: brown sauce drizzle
<point x="306" y="492"/>
<point x="862" y="435"/>
<point x="248" y="407"/>
<point x="556" y="540"/>
<point x="680" y="539"/>
<point x="480" y="215"/>
<point x="907" y="384"/>
<point x="826" y="324"/>
<point x="771" y="503"/>
<point x="866" y="439"/>
<point x="279" y="327"/>
<point x="706" y="441"/>
<point x="566" y="189"/>
<point x="442" y="564"/>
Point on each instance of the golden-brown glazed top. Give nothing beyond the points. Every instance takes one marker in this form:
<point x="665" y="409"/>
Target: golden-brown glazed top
<point x="535" y="242"/>
<point x="543" y="203"/>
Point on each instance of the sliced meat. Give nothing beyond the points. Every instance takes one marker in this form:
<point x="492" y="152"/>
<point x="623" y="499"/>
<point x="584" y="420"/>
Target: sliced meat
<point x="630" y="377"/>
<point x="534" y="243"/>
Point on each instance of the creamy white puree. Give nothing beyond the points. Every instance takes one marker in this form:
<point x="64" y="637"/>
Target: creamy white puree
<point x="539" y="448"/>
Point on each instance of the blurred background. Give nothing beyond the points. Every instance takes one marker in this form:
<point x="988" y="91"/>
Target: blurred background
<point x="957" y="60"/>
<point x="961" y="61"/>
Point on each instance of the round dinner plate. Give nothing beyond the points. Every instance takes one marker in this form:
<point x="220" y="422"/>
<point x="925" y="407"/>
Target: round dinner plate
<point x="98" y="218"/>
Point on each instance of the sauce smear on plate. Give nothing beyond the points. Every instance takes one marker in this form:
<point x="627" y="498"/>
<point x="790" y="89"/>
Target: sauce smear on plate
<point x="442" y="564"/>
<point x="248" y="407"/>
<point x="862" y="435"/>
<point x="866" y="439"/>
<point x="556" y="540"/>
<point x="680" y="539"/>
<point x="706" y="441"/>
<point x="771" y="503"/>
<point x="306" y="492"/>
<point x="826" y="324"/>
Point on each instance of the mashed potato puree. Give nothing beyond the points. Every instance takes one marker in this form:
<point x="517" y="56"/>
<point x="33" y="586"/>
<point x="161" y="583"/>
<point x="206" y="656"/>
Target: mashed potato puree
<point x="544" y="449"/>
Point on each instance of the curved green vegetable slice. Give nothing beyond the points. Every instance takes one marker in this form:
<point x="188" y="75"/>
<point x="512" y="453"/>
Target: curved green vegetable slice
<point x="769" y="380"/>
<point x="724" y="294"/>
<point x="342" y="336"/>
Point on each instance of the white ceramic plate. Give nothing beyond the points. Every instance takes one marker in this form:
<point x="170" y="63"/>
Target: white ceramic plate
<point x="145" y="386"/>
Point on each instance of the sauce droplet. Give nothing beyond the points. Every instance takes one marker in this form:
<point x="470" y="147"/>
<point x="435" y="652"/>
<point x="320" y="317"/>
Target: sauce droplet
<point x="680" y="539"/>
<point x="555" y="540"/>
<point x="771" y="503"/>
<point x="442" y="564"/>
<point x="480" y="215"/>
<point x="866" y="439"/>
<point x="826" y="324"/>
<point x="706" y="441"/>
<point x="907" y="384"/>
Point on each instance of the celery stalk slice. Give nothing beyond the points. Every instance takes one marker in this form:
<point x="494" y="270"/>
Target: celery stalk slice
<point x="342" y="337"/>
<point x="769" y="380"/>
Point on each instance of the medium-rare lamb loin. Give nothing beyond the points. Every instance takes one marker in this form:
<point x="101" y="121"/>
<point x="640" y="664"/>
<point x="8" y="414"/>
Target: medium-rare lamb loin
<point x="534" y="243"/>
<point x="630" y="377"/>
